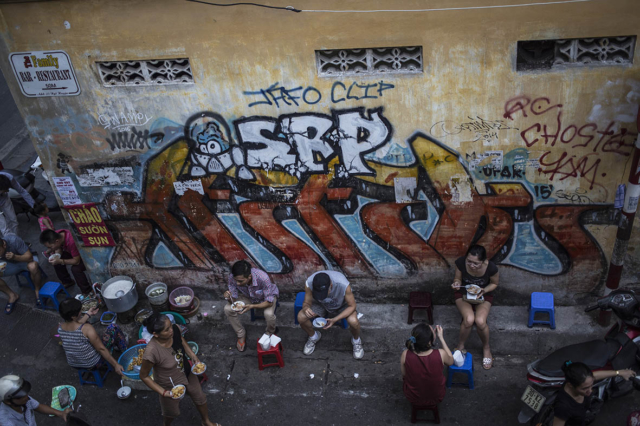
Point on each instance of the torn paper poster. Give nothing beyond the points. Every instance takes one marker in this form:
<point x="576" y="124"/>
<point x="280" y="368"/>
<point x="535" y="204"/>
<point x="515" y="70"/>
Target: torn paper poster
<point x="405" y="189"/>
<point x="495" y="156"/>
<point x="67" y="191"/>
<point x="194" y="185"/>
<point x="460" y="187"/>
<point x="533" y="163"/>
<point x="107" y="176"/>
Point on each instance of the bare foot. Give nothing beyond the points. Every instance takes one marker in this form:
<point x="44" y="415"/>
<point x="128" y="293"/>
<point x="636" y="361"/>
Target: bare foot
<point x="13" y="297"/>
<point x="486" y="352"/>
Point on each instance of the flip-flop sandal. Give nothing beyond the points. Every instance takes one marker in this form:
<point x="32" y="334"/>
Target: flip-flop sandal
<point x="487" y="363"/>
<point x="241" y="346"/>
<point x="39" y="303"/>
<point x="9" y="307"/>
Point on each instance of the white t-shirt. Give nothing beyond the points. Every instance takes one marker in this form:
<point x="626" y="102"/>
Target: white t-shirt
<point x="10" y="417"/>
<point x="335" y="299"/>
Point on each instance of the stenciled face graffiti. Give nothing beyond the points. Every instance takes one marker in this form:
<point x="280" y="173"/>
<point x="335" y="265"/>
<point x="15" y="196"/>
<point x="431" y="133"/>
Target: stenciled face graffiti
<point x="303" y="192"/>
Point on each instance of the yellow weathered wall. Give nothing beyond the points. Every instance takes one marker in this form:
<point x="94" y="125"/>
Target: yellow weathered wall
<point x="469" y="73"/>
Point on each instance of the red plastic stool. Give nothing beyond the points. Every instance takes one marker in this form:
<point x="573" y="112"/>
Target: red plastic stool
<point x="416" y="408"/>
<point x="420" y="300"/>
<point x="277" y="351"/>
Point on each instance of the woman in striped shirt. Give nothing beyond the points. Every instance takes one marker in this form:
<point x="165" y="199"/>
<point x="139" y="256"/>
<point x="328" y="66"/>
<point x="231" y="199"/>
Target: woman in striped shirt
<point x="81" y="343"/>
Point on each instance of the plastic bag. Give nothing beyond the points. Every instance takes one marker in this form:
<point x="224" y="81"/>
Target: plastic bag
<point x="458" y="359"/>
<point x="265" y="342"/>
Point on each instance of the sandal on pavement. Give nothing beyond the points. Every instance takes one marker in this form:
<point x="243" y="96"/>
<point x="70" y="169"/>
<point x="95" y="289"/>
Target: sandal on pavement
<point x="487" y="363"/>
<point x="9" y="307"/>
<point x="241" y="346"/>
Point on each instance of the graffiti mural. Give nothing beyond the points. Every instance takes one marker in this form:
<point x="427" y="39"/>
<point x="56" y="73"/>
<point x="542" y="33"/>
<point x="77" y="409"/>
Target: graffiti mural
<point x="301" y="192"/>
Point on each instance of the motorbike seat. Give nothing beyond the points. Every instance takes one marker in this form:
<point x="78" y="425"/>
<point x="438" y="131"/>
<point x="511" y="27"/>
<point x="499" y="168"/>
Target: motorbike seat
<point x="595" y="354"/>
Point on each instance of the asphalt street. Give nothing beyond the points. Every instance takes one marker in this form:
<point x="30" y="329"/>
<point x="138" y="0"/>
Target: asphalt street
<point x="238" y="393"/>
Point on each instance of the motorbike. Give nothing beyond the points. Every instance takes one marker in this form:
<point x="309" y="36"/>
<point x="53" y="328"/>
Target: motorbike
<point x="27" y="181"/>
<point x="620" y="349"/>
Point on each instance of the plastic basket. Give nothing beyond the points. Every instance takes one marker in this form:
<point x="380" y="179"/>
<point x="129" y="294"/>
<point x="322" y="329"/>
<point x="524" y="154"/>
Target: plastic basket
<point x="126" y="358"/>
<point x="181" y="291"/>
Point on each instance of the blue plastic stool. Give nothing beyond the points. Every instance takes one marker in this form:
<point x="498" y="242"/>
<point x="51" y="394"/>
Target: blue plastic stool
<point x="467" y="368"/>
<point x="297" y="307"/>
<point x="255" y="317"/>
<point x="542" y="302"/>
<point x="27" y="276"/>
<point x="98" y="379"/>
<point x="50" y="291"/>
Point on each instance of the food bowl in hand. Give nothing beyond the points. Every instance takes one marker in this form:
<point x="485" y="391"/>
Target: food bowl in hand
<point x="199" y="368"/>
<point x="237" y="306"/>
<point x="473" y="289"/>
<point x="178" y="391"/>
<point x="54" y="256"/>
<point x="89" y="304"/>
<point x="319" y="322"/>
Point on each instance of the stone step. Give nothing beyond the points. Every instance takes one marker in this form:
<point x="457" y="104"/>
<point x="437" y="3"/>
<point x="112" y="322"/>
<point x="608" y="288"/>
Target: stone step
<point x="385" y="329"/>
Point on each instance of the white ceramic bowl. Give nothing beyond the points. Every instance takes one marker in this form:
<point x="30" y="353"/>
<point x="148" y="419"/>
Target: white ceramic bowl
<point x="183" y="393"/>
<point x="239" y="303"/>
<point x="319" y="322"/>
<point x="199" y="374"/>
<point x="124" y="392"/>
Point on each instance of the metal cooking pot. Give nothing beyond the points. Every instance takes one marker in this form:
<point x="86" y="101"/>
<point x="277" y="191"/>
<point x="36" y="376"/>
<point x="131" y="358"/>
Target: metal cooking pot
<point x="124" y="299"/>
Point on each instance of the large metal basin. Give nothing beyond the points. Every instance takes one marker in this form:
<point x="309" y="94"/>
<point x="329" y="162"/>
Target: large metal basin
<point x="124" y="299"/>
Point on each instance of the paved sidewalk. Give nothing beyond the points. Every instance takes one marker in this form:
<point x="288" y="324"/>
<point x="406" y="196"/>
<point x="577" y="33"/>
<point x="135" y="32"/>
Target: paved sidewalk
<point x="285" y="396"/>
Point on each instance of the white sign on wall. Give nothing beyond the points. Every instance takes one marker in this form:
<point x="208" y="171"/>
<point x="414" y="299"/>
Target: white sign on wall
<point x="44" y="73"/>
<point x="67" y="190"/>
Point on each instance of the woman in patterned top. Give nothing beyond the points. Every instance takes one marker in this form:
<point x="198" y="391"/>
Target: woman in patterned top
<point x="81" y="343"/>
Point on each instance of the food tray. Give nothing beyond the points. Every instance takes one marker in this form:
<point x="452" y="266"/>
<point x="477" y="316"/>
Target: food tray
<point x="126" y="358"/>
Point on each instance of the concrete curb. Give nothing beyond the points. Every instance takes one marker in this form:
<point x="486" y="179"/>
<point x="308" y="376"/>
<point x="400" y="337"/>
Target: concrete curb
<point x="385" y="328"/>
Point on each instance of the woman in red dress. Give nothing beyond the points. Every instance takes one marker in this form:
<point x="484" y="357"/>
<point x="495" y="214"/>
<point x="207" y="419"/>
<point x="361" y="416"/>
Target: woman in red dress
<point x="422" y="366"/>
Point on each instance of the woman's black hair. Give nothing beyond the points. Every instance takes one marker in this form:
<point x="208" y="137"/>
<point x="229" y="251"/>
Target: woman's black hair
<point x="70" y="308"/>
<point x="421" y="338"/>
<point x="155" y="323"/>
<point x="241" y="268"/>
<point x="576" y="373"/>
<point x="478" y="251"/>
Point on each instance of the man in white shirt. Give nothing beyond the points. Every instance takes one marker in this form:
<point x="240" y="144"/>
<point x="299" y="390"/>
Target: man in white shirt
<point x="8" y="219"/>
<point x="328" y="295"/>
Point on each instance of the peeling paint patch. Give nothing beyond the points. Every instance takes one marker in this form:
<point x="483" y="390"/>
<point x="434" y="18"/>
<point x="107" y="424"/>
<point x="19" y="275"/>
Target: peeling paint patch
<point x="108" y="176"/>
<point x="460" y="186"/>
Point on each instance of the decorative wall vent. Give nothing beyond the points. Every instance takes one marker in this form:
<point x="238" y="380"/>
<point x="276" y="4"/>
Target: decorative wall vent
<point x="549" y="54"/>
<point x="146" y="73"/>
<point x="379" y="60"/>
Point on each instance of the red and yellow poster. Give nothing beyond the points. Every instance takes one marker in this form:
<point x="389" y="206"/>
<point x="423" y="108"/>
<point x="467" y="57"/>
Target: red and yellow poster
<point x="90" y="225"/>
